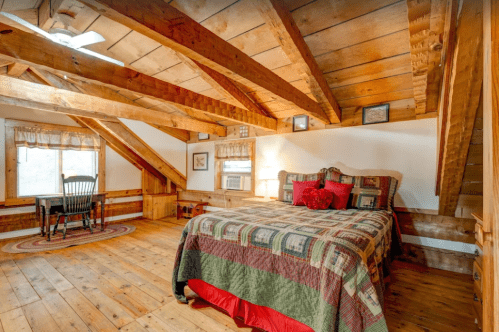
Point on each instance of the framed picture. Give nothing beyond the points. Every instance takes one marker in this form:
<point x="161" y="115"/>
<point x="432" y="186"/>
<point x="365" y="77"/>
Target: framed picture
<point x="203" y="136"/>
<point x="200" y="161"/>
<point x="300" y="123"/>
<point x="375" y="114"/>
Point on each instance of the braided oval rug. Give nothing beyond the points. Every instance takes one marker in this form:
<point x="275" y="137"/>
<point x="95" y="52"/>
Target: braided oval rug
<point x="74" y="237"/>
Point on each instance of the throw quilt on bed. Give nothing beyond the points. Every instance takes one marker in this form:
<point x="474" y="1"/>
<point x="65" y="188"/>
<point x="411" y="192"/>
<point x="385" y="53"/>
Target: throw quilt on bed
<point x="322" y="268"/>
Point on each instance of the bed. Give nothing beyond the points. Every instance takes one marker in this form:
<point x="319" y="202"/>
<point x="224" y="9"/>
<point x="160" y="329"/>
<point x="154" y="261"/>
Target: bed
<point x="304" y="270"/>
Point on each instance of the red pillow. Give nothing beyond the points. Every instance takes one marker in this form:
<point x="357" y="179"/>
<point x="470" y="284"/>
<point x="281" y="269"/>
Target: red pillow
<point x="317" y="199"/>
<point x="341" y="193"/>
<point x="299" y="187"/>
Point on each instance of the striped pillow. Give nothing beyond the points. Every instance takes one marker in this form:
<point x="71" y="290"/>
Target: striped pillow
<point x="286" y="183"/>
<point x="369" y="192"/>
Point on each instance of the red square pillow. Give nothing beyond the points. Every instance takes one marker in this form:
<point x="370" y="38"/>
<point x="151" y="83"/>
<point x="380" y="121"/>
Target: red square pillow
<point x="341" y="194"/>
<point x="299" y="187"/>
<point x="317" y="199"/>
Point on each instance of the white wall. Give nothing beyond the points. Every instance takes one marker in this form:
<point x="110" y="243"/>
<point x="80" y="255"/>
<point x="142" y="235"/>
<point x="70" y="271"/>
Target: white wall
<point x="201" y="180"/>
<point x="171" y="149"/>
<point x="405" y="150"/>
<point x="120" y="173"/>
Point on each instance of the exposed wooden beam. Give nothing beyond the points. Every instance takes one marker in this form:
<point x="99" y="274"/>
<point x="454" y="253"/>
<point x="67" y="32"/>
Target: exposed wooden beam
<point x="443" y="103"/>
<point x="16" y="92"/>
<point x="436" y="43"/>
<point x="16" y="69"/>
<point x="47" y="13"/>
<point x="18" y="46"/>
<point x="465" y="91"/>
<point x="224" y="85"/>
<point x="170" y="27"/>
<point x="127" y="137"/>
<point x="491" y="167"/>
<point x="419" y="12"/>
<point x="118" y="146"/>
<point x="180" y="134"/>
<point x="282" y="24"/>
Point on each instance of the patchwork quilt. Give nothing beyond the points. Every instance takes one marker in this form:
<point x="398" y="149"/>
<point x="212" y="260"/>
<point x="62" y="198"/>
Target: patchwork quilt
<point x="320" y="267"/>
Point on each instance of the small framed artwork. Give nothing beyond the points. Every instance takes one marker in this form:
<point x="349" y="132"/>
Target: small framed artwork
<point x="243" y="131"/>
<point x="203" y="136"/>
<point x="200" y="161"/>
<point x="376" y="114"/>
<point x="300" y="123"/>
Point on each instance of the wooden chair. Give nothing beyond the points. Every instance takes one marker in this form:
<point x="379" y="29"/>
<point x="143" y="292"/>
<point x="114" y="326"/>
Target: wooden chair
<point x="77" y="200"/>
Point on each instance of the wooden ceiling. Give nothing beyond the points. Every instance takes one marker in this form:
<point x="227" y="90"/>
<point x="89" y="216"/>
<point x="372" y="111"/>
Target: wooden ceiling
<point x="351" y="53"/>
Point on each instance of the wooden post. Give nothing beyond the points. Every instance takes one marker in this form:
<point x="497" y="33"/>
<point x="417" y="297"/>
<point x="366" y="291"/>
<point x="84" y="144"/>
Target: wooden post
<point x="491" y="166"/>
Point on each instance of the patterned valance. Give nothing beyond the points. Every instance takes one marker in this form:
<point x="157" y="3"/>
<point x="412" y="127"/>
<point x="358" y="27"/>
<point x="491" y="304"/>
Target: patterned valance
<point x="55" y="140"/>
<point x="234" y="150"/>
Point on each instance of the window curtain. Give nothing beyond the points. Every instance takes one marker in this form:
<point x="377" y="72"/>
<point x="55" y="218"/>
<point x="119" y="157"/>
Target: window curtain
<point x="234" y="151"/>
<point x="55" y="140"/>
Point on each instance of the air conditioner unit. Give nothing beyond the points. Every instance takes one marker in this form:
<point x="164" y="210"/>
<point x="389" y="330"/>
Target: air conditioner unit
<point x="233" y="182"/>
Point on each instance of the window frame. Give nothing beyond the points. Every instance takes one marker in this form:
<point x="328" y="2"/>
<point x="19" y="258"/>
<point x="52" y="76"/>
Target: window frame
<point x="11" y="168"/>
<point x="219" y="172"/>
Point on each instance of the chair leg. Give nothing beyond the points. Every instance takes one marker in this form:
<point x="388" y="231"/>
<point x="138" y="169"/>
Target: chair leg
<point x="65" y="227"/>
<point x="56" y="224"/>
<point x="84" y="221"/>
<point x="89" y="224"/>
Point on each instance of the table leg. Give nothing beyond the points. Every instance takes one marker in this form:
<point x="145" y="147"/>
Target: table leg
<point x="40" y="213"/>
<point x="103" y="213"/>
<point x="47" y="218"/>
<point x="95" y="215"/>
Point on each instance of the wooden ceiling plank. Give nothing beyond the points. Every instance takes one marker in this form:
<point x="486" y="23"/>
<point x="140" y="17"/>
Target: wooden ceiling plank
<point x="198" y="43"/>
<point x="419" y="12"/>
<point x="223" y="85"/>
<point x="39" y="52"/>
<point x="16" y="69"/>
<point x="284" y="28"/>
<point x="465" y="92"/>
<point x="129" y="138"/>
<point x="36" y="96"/>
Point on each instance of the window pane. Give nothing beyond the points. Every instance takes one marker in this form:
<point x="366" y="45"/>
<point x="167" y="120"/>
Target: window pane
<point x="38" y="171"/>
<point x="237" y="166"/>
<point x="78" y="163"/>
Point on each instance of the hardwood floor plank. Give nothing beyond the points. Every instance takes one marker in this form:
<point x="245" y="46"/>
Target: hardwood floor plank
<point x="153" y="324"/>
<point x="40" y="284"/>
<point x="176" y="321"/>
<point x="15" y="321"/>
<point x="65" y="317"/>
<point x="39" y="318"/>
<point x="51" y="274"/>
<point x="136" y="293"/>
<point x="94" y="319"/>
<point x="21" y="286"/>
<point x="91" y="290"/>
<point x="133" y="327"/>
<point x="9" y="299"/>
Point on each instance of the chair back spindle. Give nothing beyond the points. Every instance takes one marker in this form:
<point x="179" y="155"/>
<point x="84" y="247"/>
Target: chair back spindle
<point x="77" y="193"/>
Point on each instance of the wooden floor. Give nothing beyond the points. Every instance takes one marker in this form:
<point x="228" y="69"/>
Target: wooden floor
<point x="125" y="283"/>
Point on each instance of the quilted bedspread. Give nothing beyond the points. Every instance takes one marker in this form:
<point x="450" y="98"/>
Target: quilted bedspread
<point x="320" y="267"/>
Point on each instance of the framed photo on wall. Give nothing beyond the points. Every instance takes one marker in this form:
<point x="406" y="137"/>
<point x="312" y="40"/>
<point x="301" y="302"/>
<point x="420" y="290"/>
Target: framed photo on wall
<point x="376" y="114"/>
<point x="300" y="123"/>
<point x="200" y="161"/>
<point x="203" y="136"/>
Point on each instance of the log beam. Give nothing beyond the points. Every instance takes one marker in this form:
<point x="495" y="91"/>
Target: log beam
<point x="170" y="27"/>
<point x="16" y="69"/>
<point x="284" y="28"/>
<point x="20" y="93"/>
<point x="28" y="49"/>
<point x="465" y="91"/>
<point x="419" y="12"/>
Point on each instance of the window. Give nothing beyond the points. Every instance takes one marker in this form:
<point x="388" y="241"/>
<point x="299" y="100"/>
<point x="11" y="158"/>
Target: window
<point x="234" y="164"/>
<point x="36" y="154"/>
<point x="39" y="170"/>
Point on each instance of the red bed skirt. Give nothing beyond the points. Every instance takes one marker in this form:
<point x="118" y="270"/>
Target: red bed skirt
<point x="253" y="315"/>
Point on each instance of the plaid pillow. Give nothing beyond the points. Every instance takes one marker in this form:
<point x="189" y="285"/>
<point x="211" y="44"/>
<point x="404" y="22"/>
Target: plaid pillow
<point x="369" y="192"/>
<point x="286" y="183"/>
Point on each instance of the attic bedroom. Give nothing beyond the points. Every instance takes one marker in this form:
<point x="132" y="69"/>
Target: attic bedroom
<point x="249" y="165"/>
